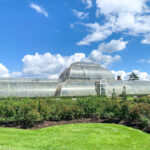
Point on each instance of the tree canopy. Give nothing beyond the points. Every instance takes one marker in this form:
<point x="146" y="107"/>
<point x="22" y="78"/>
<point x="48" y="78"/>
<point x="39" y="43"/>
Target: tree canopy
<point x="133" y="76"/>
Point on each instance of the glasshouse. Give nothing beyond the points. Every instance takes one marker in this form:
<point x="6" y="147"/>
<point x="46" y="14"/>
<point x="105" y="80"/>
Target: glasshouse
<point x="80" y="79"/>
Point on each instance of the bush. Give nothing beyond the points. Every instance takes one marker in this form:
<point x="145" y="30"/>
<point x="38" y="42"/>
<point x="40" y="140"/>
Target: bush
<point x="139" y="110"/>
<point x="90" y="107"/>
<point x="125" y="110"/>
<point x="32" y="117"/>
<point x="28" y="112"/>
<point x="142" y="99"/>
<point x="144" y="121"/>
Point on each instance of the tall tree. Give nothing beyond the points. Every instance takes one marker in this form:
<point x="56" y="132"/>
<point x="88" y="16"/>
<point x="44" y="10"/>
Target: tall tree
<point x="133" y="76"/>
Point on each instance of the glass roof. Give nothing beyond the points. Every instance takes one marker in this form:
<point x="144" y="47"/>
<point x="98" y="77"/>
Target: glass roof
<point x="86" y="71"/>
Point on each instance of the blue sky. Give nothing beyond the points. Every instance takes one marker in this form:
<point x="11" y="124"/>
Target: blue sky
<point x="41" y="38"/>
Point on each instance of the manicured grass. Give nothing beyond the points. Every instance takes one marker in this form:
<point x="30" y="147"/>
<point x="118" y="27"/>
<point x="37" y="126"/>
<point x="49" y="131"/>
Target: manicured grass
<point x="75" y="137"/>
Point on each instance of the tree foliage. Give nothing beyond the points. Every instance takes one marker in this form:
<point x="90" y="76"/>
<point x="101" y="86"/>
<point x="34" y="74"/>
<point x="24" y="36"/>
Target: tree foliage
<point x="133" y="76"/>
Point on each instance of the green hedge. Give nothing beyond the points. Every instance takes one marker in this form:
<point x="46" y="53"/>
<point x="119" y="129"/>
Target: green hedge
<point x="28" y="112"/>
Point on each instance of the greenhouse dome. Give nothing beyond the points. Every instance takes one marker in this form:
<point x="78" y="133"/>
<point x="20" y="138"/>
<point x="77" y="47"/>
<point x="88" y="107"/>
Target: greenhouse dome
<point x="86" y="71"/>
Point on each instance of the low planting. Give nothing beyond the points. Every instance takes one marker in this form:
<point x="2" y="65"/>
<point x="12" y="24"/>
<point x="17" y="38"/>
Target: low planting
<point x="26" y="112"/>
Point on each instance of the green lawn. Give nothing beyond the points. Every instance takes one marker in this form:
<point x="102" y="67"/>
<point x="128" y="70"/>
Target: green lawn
<point x="75" y="137"/>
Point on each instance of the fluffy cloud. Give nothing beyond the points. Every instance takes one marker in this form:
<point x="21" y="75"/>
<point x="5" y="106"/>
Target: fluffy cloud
<point x="39" y="9"/>
<point x="146" y="40"/>
<point x="3" y="71"/>
<point x="123" y="74"/>
<point x="97" y="33"/>
<point x="113" y="45"/>
<point x="116" y="7"/>
<point x="105" y="60"/>
<point x="48" y="65"/>
<point x="79" y="14"/>
<point x="88" y="3"/>
<point x="16" y="74"/>
<point x="144" y="76"/>
<point x="125" y="16"/>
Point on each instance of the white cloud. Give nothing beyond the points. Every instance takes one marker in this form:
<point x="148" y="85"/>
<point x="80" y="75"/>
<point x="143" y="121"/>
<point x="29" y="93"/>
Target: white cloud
<point x="39" y="9"/>
<point x="144" y="76"/>
<point x="133" y="24"/>
<point x="105" y="60"/>
<point x="97" y="33"/>
<point x="88" y="3"/>
<point x="126" y="16"/>
<point x="115" y="7"/>
<point x="80" y="15"/>
<point x="3" y="71"/>
<point x="113" y="45"/>
<point x="16" y="74"/>
<point x="48" y="65"/>
<point x="146" y="40"/>
<point x="123" y="74"/>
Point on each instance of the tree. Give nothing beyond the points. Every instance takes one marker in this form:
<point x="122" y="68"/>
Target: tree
<point x="133" y="76"/>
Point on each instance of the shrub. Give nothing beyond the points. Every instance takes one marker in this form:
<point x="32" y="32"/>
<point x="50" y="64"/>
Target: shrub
<point x="109" y="115"/>
<point x="125" y="110"/>
<point x="142" y="99"/>
<point x="29" y="112"/>
<point x="139" y="110"/>
<point x="32" y="118"/>
<point x="144" y="121"/>
<point x="44" y="109"/>
<point x="91" y="107"/>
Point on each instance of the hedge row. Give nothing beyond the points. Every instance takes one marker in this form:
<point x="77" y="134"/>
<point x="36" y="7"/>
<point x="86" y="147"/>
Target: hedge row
<point x="27" y="112"/>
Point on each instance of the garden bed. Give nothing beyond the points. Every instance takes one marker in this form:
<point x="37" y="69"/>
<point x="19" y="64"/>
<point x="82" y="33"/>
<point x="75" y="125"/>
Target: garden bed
<point x="45" y="124"/>
<point x="39" y="113"/>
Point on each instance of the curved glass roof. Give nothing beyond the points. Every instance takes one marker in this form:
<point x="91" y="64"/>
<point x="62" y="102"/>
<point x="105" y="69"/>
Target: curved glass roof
<point x="86" y="71"/>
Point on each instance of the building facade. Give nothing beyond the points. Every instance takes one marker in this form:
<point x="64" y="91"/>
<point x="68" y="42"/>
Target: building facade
<point x="80" y="79"/>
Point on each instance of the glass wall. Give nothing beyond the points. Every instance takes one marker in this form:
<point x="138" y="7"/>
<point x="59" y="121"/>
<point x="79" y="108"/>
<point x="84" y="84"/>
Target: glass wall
<point x="132" y="87"/>
<point x="27" y="87"/>
<point x="77" y="88"/>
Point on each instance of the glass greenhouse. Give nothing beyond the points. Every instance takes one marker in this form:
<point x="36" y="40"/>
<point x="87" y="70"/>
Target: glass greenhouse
<point x="80" y="79"/>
